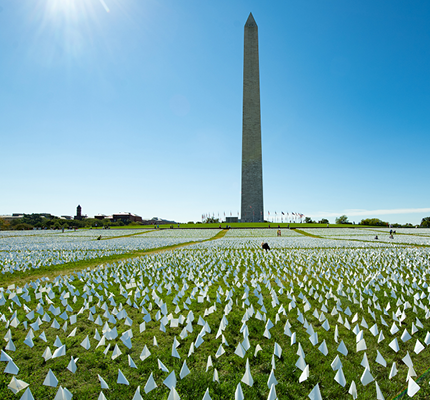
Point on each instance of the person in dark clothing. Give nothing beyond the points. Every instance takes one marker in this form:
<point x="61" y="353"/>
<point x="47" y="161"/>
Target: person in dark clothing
<point x="265" y="246"/>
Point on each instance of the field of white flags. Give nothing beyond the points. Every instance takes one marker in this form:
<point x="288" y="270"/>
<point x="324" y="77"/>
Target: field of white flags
<point x="402" y="235"/>
<point x="320" y="317"/>
<point x="22" y="251"/>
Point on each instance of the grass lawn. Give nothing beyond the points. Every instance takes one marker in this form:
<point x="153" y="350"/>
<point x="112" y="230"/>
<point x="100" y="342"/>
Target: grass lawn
<point x="212" y="300"/>
<point x="239" y="225"/>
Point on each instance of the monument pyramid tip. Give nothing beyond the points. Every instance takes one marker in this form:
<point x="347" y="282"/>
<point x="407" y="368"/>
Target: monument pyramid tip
<point x="250" y="22"/>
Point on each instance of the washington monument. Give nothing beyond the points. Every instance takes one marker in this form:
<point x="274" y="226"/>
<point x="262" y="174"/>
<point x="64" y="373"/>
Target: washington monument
<point x="252" y="168"/>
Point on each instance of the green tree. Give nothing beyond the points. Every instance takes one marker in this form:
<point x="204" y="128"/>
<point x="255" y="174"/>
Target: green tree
<point x="308" y="220"/>
<point x="373" y="222"/>
<point x="425" y="222"/>
<point x="57" y="224"/>
<point x="324" y="221"/>
<point x="4" y="225"/>
<point x="210" y="220"/>
<point x="15" y="222"/>
<point x="23" y="227"/>
<point x="32" y="219"/>
<point x="51" y="222"/>
<point x="343" y="219"/>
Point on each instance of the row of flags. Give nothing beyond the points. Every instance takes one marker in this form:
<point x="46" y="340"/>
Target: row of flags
<point x="212" y="215"/>
<point x="286" y="217"/>
<point x="294" y="214"/>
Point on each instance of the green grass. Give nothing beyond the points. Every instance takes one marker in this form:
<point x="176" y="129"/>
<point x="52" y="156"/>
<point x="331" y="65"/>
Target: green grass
<point x="305" y="271"/>
<point x="234" y="225"/>
<point x="22" y="277"/>
<point x="84" y="384"/>
<point x="248" y="225"/>
<point x="122" y="236"/>
<point x="308" y="234"/>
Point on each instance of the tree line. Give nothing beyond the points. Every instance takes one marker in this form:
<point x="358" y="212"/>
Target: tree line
<point x="31" y="221"/>
<point x="343" y="219"/>
<point x="425" y="222"/>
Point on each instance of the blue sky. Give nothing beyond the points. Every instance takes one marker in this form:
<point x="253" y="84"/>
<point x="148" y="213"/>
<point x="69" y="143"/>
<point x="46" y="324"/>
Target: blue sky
<point x="136" y="105"/>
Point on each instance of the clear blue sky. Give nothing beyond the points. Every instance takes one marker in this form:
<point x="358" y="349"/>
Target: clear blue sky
<point x="136" y="105"/>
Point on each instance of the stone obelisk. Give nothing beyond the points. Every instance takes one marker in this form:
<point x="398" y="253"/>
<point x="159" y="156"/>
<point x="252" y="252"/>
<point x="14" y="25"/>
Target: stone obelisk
<point x="252" y="167"/>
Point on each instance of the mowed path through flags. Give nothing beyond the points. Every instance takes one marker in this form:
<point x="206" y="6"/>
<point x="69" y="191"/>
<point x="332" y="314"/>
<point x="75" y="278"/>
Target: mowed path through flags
<point x="226" y="323"/>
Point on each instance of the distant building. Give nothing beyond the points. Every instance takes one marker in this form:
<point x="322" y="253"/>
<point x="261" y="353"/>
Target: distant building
<point x="122" y="216"/>
<point x="66" y="217"/>
<point x="126" y="217"/>
<point x="129" y="217"/>
<point x="157" y="221"/>
<point x="79" y="215"/>
<point x="231" y="219"/>
<point x="15" y="216"/>
<point x="9" y="218"/>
